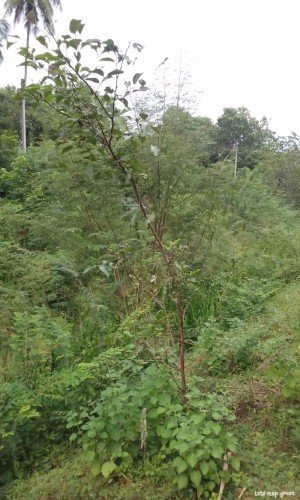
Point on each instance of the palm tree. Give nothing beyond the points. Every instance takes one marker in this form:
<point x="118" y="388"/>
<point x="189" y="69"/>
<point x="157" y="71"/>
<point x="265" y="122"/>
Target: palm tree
<point x="32" y="12"/>
<point x="4" y="28"/>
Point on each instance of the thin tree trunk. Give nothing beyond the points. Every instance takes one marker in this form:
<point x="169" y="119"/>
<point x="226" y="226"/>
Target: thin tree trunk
<point x="23" y="84"/>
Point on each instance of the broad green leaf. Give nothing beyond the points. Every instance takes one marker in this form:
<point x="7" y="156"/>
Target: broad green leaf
<point x="196" y="477"/>
<point x="217" y="452"/>
<point x="216" y="416"/>
<point x="216" y="428"/>
<point x="108" y="468"/>
<point x="98" y="71"/>
<point x="76" y="26"/>
<point x="90" y="455"/>
<point x="46" y="56"/>
<point x="138" y="47"/>
<point x="136" y="77"/>
<point x="94" y="80"/>
<point x="115" y="434"/>
<point x="235" y="463"/>
<point x="231" y="445"/>
<point x="114" y="72"/>
<point x="204" y="467"/>
<point x="31" y="64"/>
<point x="180" y="464"/>
<point x="192" y="460"/>
<point x="74" y="43"/>
<point x="96" y="469"/>
<point x="42" y="40"/>
<point x="164" y="399"/>
<point x="171" y="422"/>
<point x="182" y="481"/>
<point x="225" y="475"/>
<point x="211" y="485"/>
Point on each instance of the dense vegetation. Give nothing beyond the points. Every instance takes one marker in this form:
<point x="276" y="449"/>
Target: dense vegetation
<point x="149" y="284"/>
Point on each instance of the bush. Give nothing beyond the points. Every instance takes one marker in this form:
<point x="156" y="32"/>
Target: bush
<point x="142" y="417"/>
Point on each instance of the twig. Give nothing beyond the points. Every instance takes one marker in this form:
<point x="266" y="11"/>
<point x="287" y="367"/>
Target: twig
<point x="241" y="494"/>
<point x="225" y="467"/>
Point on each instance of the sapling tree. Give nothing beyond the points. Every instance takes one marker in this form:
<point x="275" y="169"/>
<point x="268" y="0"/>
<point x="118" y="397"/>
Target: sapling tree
<point x="94" y="101"/>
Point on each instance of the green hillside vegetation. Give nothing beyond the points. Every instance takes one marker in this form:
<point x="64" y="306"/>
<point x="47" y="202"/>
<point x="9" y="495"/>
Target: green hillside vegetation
<point x="149" y="291"/>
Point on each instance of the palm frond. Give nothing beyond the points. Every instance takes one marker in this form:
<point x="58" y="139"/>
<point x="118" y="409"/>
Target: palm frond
<point x="46" y="13"/>
<point x="32" y="11"/>
<point x="4" y="29"/>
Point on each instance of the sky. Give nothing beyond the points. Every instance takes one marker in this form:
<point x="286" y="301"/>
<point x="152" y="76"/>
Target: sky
<point x="236" y="52"/>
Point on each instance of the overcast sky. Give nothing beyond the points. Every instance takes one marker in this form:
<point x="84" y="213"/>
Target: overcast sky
<point x="238" y="52"/>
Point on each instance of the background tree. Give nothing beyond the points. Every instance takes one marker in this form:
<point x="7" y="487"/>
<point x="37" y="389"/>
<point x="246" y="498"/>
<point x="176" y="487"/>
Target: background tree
<point x="237" y="129"/>
<point x="32" y="13"/>
<point x="280" y="168"/>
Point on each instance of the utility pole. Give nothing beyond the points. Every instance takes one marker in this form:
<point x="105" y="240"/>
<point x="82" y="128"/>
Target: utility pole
<point x="179" y="79"/>
<point x="23" y="121"/>
<point x="235" y="161"/>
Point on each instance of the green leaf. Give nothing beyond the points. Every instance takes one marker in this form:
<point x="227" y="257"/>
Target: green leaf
<point x="29" y="63"/>
<point x="216" y="416"/>
<point x="182" y="481"/>
<point x="183" y="447"/>
<point x="108" y="468"/>
<point x="217" y="452"/>
<point x="225" y="475"/>
<point x="216" y="428"/>
<point x="76" y="26"/>
<point x="171" y="422"/>
<point x="96" y="469"/>
<point x="180" y="464"/>
<point x="192" y="460"/>
<point x="143" y="116"/>
<point x="114" y="72"/>
<point x="46" y="56"/>
<point x="196" y="478"/>
<point x="204" y="467"/>
<point x="95" y="80"/>
<point x="231" y="445"/>
<point x="42" y="40"/>
<point x="90" y="455"/>
<point x="115" y="434"/>
<point x="98" y="71"/>
<point x="138" y="47"/>
<point x="136" y="77"/>
<point x="115" y="450"/>
<point x="74" y="43"/>
<point x="164" y="399"/>
<point x="235" y="463"/>
<point x="207" y="429"/>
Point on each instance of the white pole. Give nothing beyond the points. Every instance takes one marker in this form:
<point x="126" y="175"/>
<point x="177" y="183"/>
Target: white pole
<point x="235" y="161"/>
